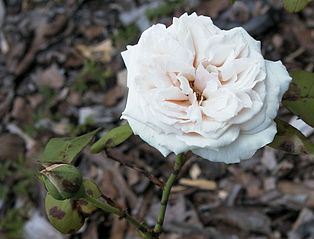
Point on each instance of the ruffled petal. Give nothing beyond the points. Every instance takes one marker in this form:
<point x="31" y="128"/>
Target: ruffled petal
<point x="243" y="148"/>
<point x="277" y="83"/>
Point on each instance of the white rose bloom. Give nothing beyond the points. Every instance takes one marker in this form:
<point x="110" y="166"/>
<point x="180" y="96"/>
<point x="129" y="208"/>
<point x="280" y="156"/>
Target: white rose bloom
<point x="193" y="86"/>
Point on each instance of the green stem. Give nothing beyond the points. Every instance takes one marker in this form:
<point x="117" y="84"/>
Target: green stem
<point x="166" y="193"/>
<point x="142" y="228"/>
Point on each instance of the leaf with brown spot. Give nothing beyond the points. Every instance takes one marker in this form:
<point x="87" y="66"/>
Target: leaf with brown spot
<point x="291" y="140"/>
<point x="299" y="98"/>
<point x="65" y="150"/>
<point x="56" y="212"/>
<point x="65" y="217"/>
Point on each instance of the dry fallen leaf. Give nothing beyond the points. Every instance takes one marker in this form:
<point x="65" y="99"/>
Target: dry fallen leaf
<point x="299" y="189"/>
<point x="304" y="216"/>
<point x="4" y="46"/>
<point x="214" y="7"/>
<point x="11" y="147"/>
<point x="199" y="183"/>
<point x="51" y="77"/>
<point x="113" y="96"/>
<point x="22" y="111"/>
<point x="100" y="52"/>
<point x="245" y="218"/>
<point x="303" y="226"/>
<point x="118" y="228"/>
<point x="195" y="171"/>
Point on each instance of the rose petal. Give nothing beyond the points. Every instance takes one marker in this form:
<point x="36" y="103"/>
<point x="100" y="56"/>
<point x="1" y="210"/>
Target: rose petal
<point x="221" y="106"/>
<point x="242" y="148"/>
<point x="197" y="140"/>
<point x="277" y="82"/>
<point x="200" y="29"/>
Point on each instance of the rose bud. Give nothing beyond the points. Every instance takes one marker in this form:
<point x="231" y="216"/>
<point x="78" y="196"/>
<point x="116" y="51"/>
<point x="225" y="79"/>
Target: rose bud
<point x="63" y="214"/>
<point x="62" y="181"/>
<point x="92" y="190"/>
<point x="193" y="86"/>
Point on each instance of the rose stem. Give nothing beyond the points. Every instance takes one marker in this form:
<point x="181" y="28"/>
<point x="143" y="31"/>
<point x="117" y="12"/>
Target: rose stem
<point x="166" y="192"/>
<point x="142" y="228"/>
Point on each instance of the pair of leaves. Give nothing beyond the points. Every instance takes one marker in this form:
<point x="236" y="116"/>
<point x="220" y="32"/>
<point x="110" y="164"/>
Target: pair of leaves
<point x="295" y="5"/>
<point x="299" y="99"/>
<point x="65" y="150"/>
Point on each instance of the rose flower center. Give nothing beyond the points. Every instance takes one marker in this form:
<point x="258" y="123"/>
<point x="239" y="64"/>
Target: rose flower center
<point x="199" y="95"/>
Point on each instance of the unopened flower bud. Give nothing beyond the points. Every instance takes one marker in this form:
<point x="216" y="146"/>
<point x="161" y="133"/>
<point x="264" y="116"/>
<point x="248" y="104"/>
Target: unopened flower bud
<point x="92" y="190"/>
<point x="63" y="214"/>
<point x="62" y="181"/>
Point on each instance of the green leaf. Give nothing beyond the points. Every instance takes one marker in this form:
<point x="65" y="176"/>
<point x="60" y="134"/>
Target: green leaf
<point x="65" y="150"/>
<point x="295" y="5"/>
<point x="113" y="138"/>
<point x="299" y="99"/>
<point x="63" y="214"/>
<point x="291" y="140"/>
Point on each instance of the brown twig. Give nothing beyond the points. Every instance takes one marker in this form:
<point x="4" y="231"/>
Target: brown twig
<point x="111" y="202"/>
<point x="142" y="171"/>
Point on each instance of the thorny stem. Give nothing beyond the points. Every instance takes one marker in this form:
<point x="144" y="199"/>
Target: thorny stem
<point x="142" y="228"/>
<point x="166" y="193"/>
